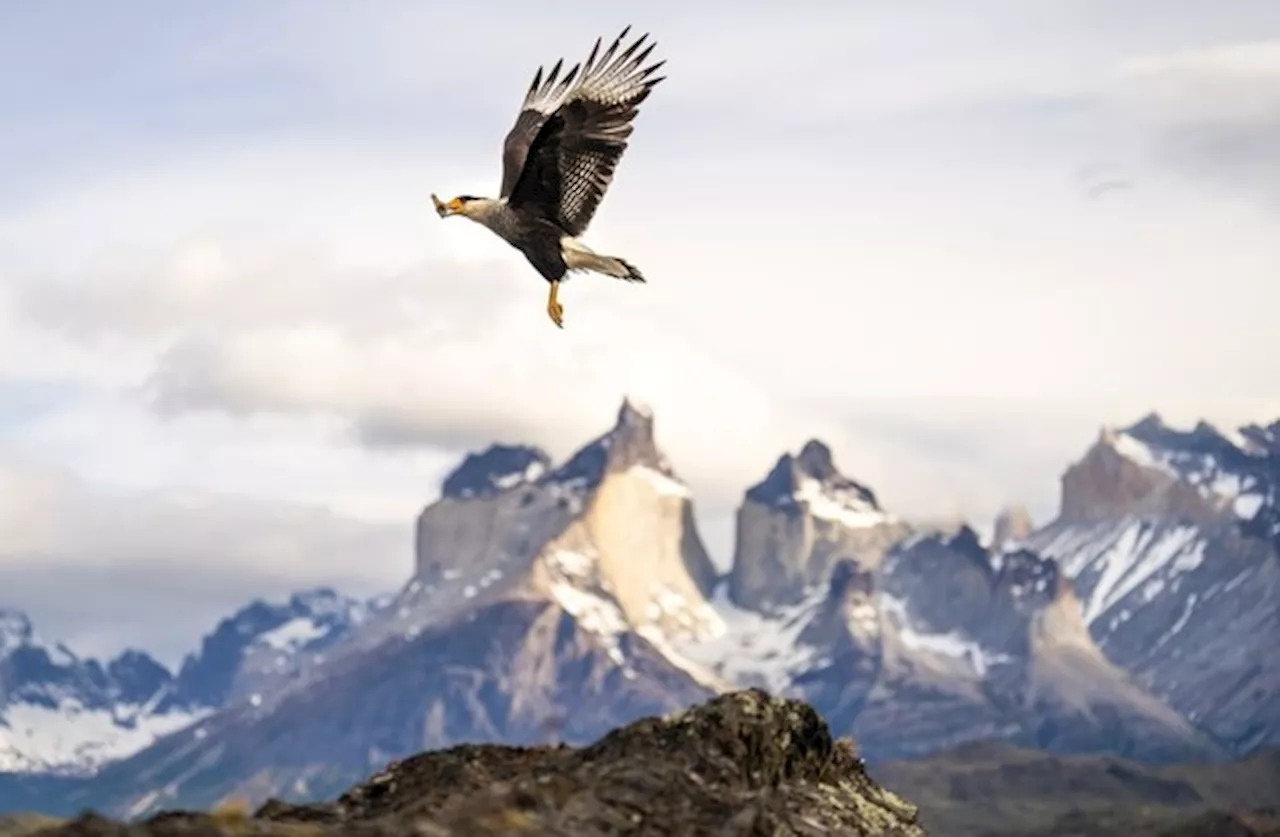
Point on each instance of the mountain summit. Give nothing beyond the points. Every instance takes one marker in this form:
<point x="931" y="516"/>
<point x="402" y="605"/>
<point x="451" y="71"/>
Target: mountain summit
<point x="60" y="713"/>
<point x="63" y="714"/>
<point x="797" y="522"/>
<point x="540" y="606"/>
<point x="1172" y="539"/>
<point x="557" y="601"/>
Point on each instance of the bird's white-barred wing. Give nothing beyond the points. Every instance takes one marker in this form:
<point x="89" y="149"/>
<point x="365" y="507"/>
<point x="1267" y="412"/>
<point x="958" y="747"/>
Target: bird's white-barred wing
<point x="560" y="156"/>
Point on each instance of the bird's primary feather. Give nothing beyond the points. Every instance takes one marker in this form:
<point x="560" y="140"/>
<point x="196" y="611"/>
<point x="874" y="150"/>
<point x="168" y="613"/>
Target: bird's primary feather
<point x="559" y="157"/>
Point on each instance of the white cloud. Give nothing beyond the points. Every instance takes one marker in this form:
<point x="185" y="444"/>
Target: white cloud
<point x="858" y="224"/>
<point x="1215" y="112"/>
<point x="103" y="568"/>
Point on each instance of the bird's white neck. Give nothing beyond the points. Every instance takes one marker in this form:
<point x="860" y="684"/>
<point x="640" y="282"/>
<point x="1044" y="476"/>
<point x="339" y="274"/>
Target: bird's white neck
<point x="481" y="210"/>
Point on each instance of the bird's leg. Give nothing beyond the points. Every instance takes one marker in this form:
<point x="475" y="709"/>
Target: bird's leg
<point x="554" y="308"/>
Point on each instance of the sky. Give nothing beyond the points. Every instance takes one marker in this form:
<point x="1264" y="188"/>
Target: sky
<point x="238" y="350"/>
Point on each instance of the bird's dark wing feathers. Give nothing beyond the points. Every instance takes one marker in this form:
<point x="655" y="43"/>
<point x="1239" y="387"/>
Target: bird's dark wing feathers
<point x="560" y="156"/>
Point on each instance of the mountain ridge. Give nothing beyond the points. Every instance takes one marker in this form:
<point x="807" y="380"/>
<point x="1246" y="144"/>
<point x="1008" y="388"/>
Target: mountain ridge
<point x="1182" y="580"/>
<point x="604" y="588"/>
<point x="63" y="714"/>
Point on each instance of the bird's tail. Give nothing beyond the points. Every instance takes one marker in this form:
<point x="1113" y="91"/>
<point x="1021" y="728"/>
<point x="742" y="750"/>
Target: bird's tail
<point x="623" y="269"/>
<point x="578" y="256"/>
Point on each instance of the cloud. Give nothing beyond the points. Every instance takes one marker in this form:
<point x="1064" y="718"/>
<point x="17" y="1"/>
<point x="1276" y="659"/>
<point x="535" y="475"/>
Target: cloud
<point x="416" y="332"/>
<point x="103" y="569"/>
<point x="1212" y="113"/>
<point x="859" y="224"/>
<point x="474" y="370"/>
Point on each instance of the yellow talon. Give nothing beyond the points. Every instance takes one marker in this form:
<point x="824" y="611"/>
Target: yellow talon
<point x="554" y="308"/>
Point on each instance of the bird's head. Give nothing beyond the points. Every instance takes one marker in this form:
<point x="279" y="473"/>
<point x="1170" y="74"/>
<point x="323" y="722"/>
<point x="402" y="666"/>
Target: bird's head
<point x="458" y="206"/>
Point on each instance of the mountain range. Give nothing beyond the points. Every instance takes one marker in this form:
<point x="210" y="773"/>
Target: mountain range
<point x="64" y="715"/>
<point x="559" y="601"/>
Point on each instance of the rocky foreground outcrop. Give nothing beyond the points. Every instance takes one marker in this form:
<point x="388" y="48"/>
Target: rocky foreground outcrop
<point x="743" y="763"/>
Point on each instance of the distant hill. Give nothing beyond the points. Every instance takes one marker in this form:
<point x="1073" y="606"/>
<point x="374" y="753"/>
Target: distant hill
<point x="23" y="825"/>
<point x="993" y="788"/>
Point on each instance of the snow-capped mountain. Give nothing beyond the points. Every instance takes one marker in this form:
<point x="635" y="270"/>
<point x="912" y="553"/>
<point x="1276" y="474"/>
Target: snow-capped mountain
<point x="63" y="714"/>
<point x="559" y="601"/>
<point x="60" y="713"/>
<point x="539" y="607"/>
<point x="797" y="522"/>
<point x="494" y="470"/>
<point x="1001" y="639"/>
<point x="945" y="641"/>
<point x="264" y="643"/>
<point x="1171" y="539"/>
<point x="508" y="523"/>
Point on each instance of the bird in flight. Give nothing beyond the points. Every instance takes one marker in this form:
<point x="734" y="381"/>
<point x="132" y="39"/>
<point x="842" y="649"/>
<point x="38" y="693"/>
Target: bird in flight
<point x="559" y="159"/>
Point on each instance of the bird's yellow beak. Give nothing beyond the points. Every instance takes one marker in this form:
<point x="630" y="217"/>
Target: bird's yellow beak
<point x="444" y="210"/>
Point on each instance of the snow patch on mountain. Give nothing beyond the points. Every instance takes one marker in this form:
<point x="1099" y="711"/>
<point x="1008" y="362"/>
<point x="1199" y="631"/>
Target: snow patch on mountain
<point x="1139" y="453"/>
<point x="575" y="588"/>
<point x="63" y="714"/>
<point x="1169" y="537"/>
<point x="292" y="635"/>
<point x="1228" y="468"/>
<point x="796" y="523"/>
<point x="748" y="648"/>
<point x="663" y="484"/>
<point x="265" y="644"/>
<point x="838" y="504"/>
<point x="73" y="739"/>
<point x="496" y="469"/>
<point x="1111" y="563"/>
<point x="309" y="622"/>
<point x="809" y="481"/>
<point x="953" y="645"/>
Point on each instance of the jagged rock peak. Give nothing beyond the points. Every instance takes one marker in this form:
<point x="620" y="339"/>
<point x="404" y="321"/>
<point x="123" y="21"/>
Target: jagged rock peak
<point x="1012" y="525"/>
<point x="1151" y="423"/>
<point x="968" y="543"/>
<point x="1150" y="468"/>
<point x="1153" y="442"/>
<point x="137" y="676"/>
<point x="815" y="459"/>
<point x="65" y="714"/>
<point x="634" y="410"/>
<point x="628" y="443"/>
<point x="962" y="542"/>
<point x="797" y="522"/>
<point x="1031" y="580"/>
<point x="570" y="535"/>
<point x="1262" y="439"/>
<point x="958" y="541"/>
<point x="632" y="438"/>
<point x="949" y="576"/>
<point x="501" y="467"/>
<point x="794" y="478"/>
<point x="15" y="630"/>
<point x="262" y="640"/>
<point x="496" y="469"/>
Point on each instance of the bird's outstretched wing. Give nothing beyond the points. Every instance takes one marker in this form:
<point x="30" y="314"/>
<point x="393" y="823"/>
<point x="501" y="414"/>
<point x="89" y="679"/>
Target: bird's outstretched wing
<point x="560" y="156"/>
